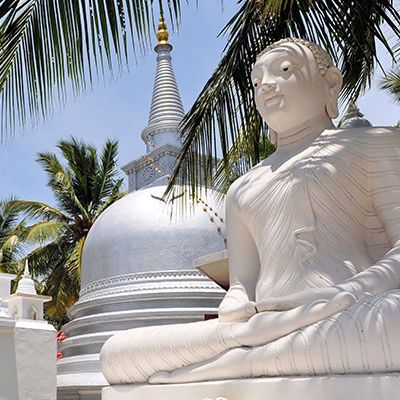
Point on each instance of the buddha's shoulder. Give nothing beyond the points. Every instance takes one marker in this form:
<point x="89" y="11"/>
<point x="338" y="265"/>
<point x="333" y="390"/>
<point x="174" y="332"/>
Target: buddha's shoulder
<point x="375" y="144"/>
<point x="365" y="136"/>
<point x="248" y="179"/>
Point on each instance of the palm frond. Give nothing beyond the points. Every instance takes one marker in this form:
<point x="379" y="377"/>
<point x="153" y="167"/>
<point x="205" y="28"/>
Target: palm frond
<point x="348" y="30"/>
<point x="37" y="210"/>
<point x="10" y="246"/>
<point x="47" y="46"/>
<point x="44" y="258"/>
<point x="391" y="83"/>
<point x="8" y="216"/>
<point x="235" y="164"/>
<point x="63" y="282"/>
<point x="45" y="231"/>
<point x="115" y="195"/>
<point x="82" y="166"/>
<point x="12" y="233"/>
<point x="60" y="182"/>
<point x="74" y="262"/>
<point x="105" y="179"/>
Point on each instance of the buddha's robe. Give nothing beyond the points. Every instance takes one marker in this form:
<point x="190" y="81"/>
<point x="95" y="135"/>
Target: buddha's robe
<point x="319" y="219"/>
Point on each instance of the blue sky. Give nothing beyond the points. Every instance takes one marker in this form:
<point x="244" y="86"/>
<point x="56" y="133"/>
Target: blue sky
<point x="119" y="107"/>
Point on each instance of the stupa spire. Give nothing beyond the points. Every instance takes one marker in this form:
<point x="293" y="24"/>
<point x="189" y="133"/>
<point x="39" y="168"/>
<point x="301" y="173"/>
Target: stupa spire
<point x="162" y="135"/>
<point x="166" y="111"/>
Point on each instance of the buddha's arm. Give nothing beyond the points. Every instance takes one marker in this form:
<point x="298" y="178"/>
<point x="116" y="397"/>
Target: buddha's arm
<point x="244" y="267"/>
<point x="384" y="186"/>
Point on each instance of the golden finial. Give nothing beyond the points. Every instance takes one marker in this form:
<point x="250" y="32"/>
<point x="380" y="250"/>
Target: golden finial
<point x="162" y="33"/>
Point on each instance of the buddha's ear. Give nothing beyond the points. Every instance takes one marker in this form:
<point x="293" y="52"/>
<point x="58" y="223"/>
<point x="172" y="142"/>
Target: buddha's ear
<point x="273" y="136"/>
<point x="334" y="80"/>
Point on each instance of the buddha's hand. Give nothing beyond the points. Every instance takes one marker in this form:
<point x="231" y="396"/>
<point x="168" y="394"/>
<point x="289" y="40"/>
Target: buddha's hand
<point x="297" y="299"/>
<point x="236" y="306"/>
<point x="236" y="312"/>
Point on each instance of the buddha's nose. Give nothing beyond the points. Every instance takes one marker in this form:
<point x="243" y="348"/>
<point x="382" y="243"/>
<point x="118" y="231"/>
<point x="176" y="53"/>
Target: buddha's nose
<point x="268" y="86"/>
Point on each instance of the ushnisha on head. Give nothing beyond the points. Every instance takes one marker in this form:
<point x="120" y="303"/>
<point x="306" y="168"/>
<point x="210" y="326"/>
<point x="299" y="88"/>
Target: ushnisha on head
<point x="296" y="84"/>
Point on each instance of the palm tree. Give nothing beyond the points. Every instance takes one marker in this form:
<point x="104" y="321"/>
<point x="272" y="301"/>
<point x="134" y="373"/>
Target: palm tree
<point x="16" y="237"/>
<point x="83" y="188"/>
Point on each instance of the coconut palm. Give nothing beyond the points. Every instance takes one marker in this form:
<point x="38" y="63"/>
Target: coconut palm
<point x="16" y="237"/>
<point x="83" y="188"/>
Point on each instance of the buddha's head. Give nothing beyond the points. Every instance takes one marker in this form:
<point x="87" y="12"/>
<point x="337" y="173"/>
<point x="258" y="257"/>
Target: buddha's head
<point x="295" y="82"/>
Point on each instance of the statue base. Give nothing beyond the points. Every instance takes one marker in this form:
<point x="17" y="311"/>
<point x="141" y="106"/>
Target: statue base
<point x="332" y="387"/>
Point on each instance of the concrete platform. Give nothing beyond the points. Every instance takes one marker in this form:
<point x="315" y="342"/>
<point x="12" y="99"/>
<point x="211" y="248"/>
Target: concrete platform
<point x="332" y="387"/>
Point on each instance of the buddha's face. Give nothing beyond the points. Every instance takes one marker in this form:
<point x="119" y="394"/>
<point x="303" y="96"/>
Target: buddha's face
<point x="289" y="88"/>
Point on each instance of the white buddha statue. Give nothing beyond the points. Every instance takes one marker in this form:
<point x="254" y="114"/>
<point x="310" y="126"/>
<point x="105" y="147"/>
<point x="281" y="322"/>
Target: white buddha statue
<point x="314" y="248"/>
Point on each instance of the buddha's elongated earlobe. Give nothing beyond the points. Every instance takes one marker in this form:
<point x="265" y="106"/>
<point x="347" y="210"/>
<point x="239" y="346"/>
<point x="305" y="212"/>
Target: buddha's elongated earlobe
<point x="334" y="79"/>
<point x="273" y="136"/>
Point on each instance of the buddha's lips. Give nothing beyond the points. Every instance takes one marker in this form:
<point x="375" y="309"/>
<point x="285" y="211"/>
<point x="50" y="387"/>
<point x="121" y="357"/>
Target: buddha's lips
<point x="272" y="98"/>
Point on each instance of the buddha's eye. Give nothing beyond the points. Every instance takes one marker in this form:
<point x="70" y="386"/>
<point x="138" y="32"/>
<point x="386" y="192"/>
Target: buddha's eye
<point x="286" y="66"/>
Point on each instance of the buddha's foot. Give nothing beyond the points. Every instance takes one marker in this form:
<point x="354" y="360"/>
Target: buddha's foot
<point x="228" y="365"/>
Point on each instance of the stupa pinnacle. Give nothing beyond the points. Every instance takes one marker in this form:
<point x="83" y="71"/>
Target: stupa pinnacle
<point x="162" y="33"/>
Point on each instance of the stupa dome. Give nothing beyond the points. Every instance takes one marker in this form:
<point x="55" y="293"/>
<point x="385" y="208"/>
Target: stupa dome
<point x="138" y="234"/>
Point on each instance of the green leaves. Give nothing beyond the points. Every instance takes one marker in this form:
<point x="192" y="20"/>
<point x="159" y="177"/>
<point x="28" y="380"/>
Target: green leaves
<point x="12" y="235"/>
<point x="47" y="47"/>
<point x="391" y="83"/>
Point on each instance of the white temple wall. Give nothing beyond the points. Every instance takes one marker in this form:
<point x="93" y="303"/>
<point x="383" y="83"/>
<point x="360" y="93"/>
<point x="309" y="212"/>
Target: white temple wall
<point x="27" y="360"/>
<point x="8" y="370"/>
<point x="36" y="349"/>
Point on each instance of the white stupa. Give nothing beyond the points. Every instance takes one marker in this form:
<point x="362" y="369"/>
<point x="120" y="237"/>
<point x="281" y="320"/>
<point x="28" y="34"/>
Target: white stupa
<point x="138" y="263"/>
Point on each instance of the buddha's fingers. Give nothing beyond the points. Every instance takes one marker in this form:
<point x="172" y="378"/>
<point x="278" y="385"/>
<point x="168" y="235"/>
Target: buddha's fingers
<point x="266" y="327"/>
<point x="237" y="313"/>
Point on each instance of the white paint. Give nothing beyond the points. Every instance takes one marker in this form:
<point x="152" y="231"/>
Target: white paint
<point x="35" y="354"/>
<point x="8" y="370"/>
<point x="28" y="360"/>
<point x="5" y="281"/>
<point x="27" y="345"/>
<point x="314" y="252"/>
